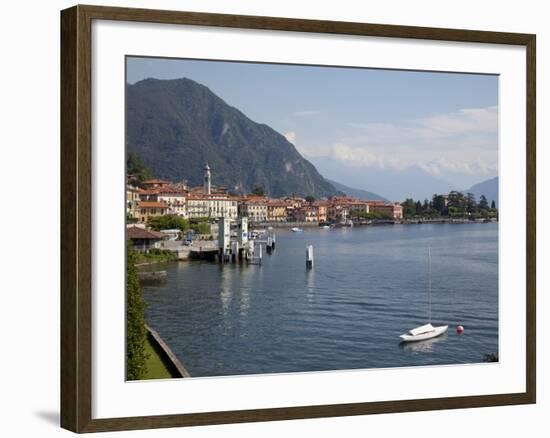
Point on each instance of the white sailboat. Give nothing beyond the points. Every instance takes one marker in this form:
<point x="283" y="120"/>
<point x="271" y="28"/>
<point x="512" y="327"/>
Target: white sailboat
<point x="426" y="331"/>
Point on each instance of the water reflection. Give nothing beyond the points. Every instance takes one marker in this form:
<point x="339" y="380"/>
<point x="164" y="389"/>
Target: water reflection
<point x="226" y="288"/>
<point x="244" y="303"/>
<point x="310" y="284"/>
<point x="367" y="287"/>
<point x="426" y="346"/>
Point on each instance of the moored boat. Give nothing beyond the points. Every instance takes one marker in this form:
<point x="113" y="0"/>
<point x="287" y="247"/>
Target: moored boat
<point x="426" y="331"/>
<point x="423" y="332"/>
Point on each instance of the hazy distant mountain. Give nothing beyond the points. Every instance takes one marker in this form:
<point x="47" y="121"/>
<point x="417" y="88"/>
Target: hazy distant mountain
<point x="356" y="193"/>
<point x="489" y="188"/>
<point x="176" y="126"/>
<point x="392" y="184"/>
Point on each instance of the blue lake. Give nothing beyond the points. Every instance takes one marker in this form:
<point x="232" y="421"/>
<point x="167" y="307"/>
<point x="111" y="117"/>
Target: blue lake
<point x="368" y="286"/>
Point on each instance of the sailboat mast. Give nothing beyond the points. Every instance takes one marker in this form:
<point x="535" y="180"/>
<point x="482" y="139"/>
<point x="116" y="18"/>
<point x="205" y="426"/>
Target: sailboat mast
<point x="430" y="284"/>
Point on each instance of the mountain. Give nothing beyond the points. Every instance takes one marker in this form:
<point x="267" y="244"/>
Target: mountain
<point x="176" y="126"/>
<point x="356" y="193"/>
<point x="393" y="184"/>
<point x="489" y="188"/>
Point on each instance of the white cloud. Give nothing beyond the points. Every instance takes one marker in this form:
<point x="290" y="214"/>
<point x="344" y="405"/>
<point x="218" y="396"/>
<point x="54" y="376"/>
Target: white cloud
<point x="465" y="142"/>
<point x="462" y="122"/>
<point x="306" y="113"/>
<point x="291" y="137"/>
<point x="465" y="124"/>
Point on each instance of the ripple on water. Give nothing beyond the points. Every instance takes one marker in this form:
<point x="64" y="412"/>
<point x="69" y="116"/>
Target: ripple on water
<point x="368" y="286"/>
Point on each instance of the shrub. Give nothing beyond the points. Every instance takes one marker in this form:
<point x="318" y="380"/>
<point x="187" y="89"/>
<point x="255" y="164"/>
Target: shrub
<point x="168" y="222"/>
<point x="201" y="228"/>
<point x="136" y="333"/>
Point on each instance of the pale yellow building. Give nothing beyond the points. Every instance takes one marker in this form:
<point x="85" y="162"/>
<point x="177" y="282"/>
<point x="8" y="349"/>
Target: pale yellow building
<point x="148" y="209"/>
<point x="132" y="199"/>
<point x="254" y="208"/>
<point x="276" y="210"/>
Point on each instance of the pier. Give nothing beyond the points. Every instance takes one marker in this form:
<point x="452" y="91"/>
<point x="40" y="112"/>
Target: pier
<point x="208" y="253"/>
<point x="247" y="245"/>
<point x="309" y="257"/>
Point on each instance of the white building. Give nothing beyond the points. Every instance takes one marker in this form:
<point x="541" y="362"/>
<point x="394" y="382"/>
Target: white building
<point x="209" y="203"/>
<point x="211" y="206"/>
<point x="176" y="202"/>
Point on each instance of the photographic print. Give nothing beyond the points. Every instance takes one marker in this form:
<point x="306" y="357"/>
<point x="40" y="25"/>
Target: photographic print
<point x="297" y="218"/>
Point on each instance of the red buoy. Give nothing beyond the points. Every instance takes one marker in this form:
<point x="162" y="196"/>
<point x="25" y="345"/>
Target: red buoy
<point x="460" y="329"/>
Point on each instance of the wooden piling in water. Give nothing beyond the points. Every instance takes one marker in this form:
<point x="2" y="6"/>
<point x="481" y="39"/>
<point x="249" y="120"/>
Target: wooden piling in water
<point x="309" y="257"/>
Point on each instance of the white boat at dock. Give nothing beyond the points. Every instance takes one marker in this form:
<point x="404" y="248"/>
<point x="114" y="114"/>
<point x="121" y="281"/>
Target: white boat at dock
<point x="254" y="234"/>
<point x="345" y="223"/>
<point x="296" y="230"/>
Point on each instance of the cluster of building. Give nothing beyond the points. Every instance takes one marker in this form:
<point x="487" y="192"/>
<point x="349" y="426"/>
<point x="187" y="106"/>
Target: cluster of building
<point x="158" y="198"/>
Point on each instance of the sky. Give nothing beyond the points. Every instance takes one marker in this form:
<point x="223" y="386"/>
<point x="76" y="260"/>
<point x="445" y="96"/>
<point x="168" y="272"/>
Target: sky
<point x="359" y="120"/>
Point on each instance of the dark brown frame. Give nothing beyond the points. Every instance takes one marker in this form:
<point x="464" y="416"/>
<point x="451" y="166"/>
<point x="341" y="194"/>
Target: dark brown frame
<point x="76" y="238"/>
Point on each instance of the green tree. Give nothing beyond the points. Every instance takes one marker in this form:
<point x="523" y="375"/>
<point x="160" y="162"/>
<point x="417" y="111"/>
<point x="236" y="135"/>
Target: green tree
<point x="493" y="205"/>
<point x="258" y="191"/>
<point x="409" y="207"/>
<point x="439" y="204"/>
<point x="136" y="333"/>
<point x="453" y="211"/>
<point x="168" y="222"/>
<point x="458" y="202"/>
<point x="483" y="204"/>
<point x="378" y="215"/>
<point x="201" y="227"/>
<point x="310" y="199"/>
<point x="136" y="168"/>
<point x="471" y="203"/>
<point x="426" y="207"/>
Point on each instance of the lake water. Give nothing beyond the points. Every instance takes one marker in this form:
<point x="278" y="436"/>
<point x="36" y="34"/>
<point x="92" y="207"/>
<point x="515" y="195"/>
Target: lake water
<point x="368" y="286"/>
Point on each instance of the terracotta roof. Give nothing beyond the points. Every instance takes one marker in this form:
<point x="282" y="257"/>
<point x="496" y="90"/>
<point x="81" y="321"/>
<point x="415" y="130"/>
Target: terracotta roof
<point x="215" y="190"/>
<point x="388" y="204"/>
<point x="141" y="233"/>
<point x="171" y="191"/>
<point x="152" y="204"/>
<point x="211" y="197"/>
<point x="261" y="201"/>
<point x="148" y="191"/>
<point x="155" y="181"/>
<point x="276" y="203"/>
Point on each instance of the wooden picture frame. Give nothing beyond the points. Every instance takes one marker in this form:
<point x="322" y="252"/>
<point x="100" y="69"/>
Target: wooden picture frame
<point x="76" y="217"/>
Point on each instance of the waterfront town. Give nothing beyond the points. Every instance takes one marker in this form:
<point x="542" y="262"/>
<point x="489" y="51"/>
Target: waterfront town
<point x="149" y="202"/>
<point x="155" y="197"/>
<point x="168" y="221"/>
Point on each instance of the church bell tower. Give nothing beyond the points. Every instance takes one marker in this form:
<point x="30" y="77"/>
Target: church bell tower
<point x="207" y="185"/>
